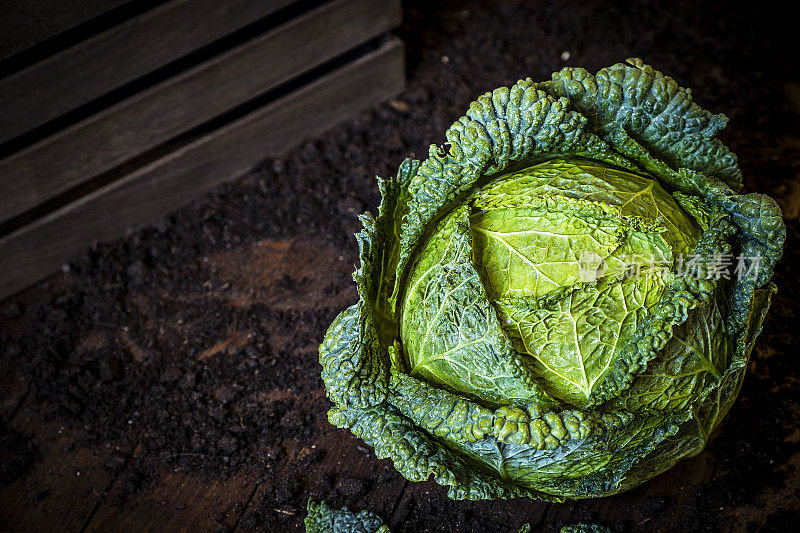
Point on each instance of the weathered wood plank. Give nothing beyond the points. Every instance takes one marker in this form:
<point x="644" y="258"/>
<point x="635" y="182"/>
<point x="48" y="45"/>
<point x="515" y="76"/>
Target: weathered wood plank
<point x="158" y="187"/>
<point x="25" y="23"/>
<point x="178" y="503"/>
<point x="153" y="116"/>
<point x="81" y="73"/>
<point x="64" y="485"/>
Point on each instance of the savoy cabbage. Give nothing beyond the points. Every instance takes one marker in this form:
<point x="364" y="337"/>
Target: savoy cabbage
<point x="562" y="302"/>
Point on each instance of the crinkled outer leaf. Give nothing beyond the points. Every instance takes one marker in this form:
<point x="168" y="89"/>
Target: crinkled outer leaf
<point x="500" y="345"/>
<point x="580" y="467"/>
<point x="694" y="357"/>
<point x="322" y="518"/>
<point x="654" y="110"/>
<point x="714" y="400"/>
<point x="418" y="455"/>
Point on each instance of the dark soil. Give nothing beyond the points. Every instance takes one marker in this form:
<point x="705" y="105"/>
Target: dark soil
<point x="191" y="344"/>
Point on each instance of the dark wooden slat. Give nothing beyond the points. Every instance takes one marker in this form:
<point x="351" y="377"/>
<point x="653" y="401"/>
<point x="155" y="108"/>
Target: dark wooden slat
<point x="83" y="72"/>
<point x="41" y="247"/>
<point x="25" y="23"/>
<point x="129" y="128"/>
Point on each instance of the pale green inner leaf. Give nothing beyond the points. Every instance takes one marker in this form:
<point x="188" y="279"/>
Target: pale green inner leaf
<point x="553" y="269"/>
<point x="450" y="331"/>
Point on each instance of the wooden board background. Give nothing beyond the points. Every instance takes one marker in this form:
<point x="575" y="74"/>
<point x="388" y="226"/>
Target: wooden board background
<point x="123" y="53"/>
<point x="179" y="176"/>
<point x="155" y="115"/>
<point x="132" y="103"/>
<point x="26" y="23"/>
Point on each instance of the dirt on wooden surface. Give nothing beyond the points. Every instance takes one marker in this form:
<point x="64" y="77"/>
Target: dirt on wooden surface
<point x="178" y="367"/>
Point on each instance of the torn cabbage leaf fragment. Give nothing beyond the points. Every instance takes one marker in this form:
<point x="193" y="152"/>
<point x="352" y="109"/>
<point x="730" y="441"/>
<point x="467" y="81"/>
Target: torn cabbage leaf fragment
<point x="322" y="518"/>
<point x="562" y="302"/>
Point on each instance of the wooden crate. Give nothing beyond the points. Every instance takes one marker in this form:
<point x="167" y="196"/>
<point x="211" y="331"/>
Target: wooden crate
<point x="114" y="113"/>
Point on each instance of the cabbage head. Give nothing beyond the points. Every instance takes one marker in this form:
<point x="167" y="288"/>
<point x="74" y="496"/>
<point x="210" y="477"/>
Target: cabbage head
<point x="560" y="302"/>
